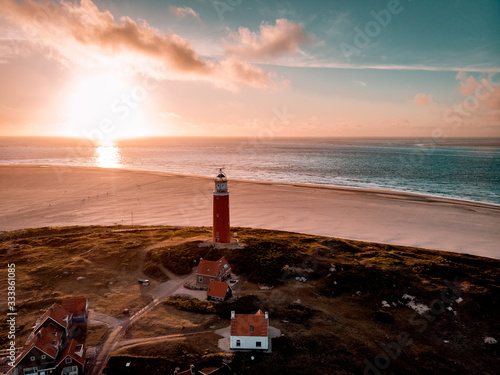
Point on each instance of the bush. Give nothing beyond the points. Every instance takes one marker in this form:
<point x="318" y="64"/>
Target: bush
<point x="190" y="304"/>
<point x="262" y="261"/>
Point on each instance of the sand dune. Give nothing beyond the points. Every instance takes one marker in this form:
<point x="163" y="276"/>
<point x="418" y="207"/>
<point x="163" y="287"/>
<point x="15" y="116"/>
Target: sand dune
<point x="34" y="196"/>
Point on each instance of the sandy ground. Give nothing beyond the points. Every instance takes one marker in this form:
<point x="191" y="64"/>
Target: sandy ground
<point x="36" y="196"/>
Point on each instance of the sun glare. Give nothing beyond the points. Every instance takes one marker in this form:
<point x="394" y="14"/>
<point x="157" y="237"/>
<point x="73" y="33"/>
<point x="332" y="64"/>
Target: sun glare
<point x="107" y="155"/>
<point x="104" y="108"/>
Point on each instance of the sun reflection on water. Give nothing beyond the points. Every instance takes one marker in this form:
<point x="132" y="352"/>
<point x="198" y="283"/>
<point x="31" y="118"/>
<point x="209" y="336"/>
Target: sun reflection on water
<point x="107" y="155"/>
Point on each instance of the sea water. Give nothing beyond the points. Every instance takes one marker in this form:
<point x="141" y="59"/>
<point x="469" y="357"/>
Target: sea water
<point x="458" y="168"/>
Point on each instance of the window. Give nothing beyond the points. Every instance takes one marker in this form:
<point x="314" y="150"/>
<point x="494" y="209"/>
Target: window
<point x="238" y="343"/>
<point x="258" y="344"/>
<point x="200" y="279"/>
<point x="68" y="360"/>
<point x="251" y="328"/>
<point x="32" y="359"/>
<point x="73" y="370"/>
<point x="33" y="370"/>
<point x="44" y="356"/>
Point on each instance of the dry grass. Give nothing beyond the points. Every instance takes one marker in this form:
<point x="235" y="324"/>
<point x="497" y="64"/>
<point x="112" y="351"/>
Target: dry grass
<point x="330" y="322"/>
<point x="166" y="320"/>
<point x="97" y="334"/>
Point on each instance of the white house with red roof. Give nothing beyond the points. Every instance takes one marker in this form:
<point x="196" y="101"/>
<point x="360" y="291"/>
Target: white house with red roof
<point x="209" y="270"/>
<point x="249" y="331"/>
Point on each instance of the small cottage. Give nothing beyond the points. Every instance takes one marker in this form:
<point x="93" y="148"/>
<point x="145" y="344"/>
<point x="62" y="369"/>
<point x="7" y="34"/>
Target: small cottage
<point x="249" y="331"/>
<point x="209" y="270"/>
<point x="218" y="291"/>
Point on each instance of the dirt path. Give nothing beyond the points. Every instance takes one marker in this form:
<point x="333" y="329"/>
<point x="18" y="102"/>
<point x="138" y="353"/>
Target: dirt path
<point x="131" y="342"/>
<point x="159" y="293"/>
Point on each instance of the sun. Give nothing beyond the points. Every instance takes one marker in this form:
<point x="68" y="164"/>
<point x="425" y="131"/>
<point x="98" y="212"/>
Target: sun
<point x="105" y="107"/>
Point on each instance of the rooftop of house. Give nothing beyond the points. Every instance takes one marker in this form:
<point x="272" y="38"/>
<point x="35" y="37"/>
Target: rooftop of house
<point x="75" y="351"/>
<point x="58" y="314"/>
<point x="75" y="306"/>
<point x="212" y="268"/>
<point x="46" y="340"/>
<point x="217" y="289"/>
<point x="249" y="324"/>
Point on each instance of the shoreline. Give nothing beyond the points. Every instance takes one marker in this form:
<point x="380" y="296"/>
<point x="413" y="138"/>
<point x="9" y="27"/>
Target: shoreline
<point x="388" y="192"/>
<point x="41" y="195"/>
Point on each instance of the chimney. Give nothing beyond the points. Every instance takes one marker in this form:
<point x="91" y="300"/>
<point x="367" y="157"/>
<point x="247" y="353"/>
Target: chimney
<point x="233" y="314"/>
<point x="39" y="334"/>
<point x="267" y="316"/>
<point x="193" y="370"/>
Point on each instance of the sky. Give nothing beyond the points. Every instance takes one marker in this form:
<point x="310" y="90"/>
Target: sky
<point x="107" y="69"/>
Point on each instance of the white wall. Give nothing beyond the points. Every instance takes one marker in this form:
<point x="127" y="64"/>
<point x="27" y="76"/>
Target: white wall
<point x="249" y="342"/>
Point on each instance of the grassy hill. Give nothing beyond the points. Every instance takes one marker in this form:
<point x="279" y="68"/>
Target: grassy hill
<point x="353" y="309"/>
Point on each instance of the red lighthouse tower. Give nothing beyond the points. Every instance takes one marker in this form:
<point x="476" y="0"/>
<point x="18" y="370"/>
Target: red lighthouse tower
<point x="221" y="231"/>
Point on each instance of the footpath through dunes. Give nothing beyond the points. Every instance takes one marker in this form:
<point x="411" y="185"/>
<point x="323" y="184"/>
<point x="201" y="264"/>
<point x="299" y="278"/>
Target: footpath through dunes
<point x="54" y="196"/>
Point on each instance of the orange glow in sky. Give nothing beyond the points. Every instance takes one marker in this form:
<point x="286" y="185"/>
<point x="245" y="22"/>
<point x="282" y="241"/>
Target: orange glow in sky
<point x="110" y="70"/>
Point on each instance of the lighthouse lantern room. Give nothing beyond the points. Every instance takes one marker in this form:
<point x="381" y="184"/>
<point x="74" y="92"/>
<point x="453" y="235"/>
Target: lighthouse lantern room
<point x="221" y="232"/>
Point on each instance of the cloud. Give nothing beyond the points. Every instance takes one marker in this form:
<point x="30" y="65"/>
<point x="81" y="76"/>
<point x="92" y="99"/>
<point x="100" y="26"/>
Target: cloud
<point x="361" y="83"/>
<point x="423" y="100"/>
<point x="183" y="12"/>
<point x="485" y="91"/>
<point x="81" y="35"/>
<point x="284" y="38"/>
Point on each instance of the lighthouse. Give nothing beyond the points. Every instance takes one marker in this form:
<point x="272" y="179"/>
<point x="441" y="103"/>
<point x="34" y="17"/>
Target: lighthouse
<point x="220" y="230"/>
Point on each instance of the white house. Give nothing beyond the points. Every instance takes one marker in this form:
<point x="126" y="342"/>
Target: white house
<point x="249" y="331"/>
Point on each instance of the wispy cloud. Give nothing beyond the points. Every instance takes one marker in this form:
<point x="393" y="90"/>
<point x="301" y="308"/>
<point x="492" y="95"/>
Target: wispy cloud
<point x="423" y="100"/>
<point x="360" y="83"/>
<point x="433" y="68"/>
<point x="81" y="35"/>
<point x="182" y="12"/>
<point x="283" y="38"/>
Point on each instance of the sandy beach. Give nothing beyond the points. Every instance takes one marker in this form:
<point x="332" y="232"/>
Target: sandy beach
<point x="36" y="196"/>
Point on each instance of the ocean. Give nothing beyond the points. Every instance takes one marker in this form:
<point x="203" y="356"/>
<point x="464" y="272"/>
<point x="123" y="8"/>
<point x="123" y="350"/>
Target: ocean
<point x="467" y="169"/>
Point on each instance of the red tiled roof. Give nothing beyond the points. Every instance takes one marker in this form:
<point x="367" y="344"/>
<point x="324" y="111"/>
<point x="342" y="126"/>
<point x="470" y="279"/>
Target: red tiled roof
<point x="212" y="268"/>
<point x="44" y="341"/>
<point x="74" y="350"/>
<point x="75" y="306"/>
<point x="217" y="289"/>
<point x="57" y="314"/>
<point x="249" y="325"/>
